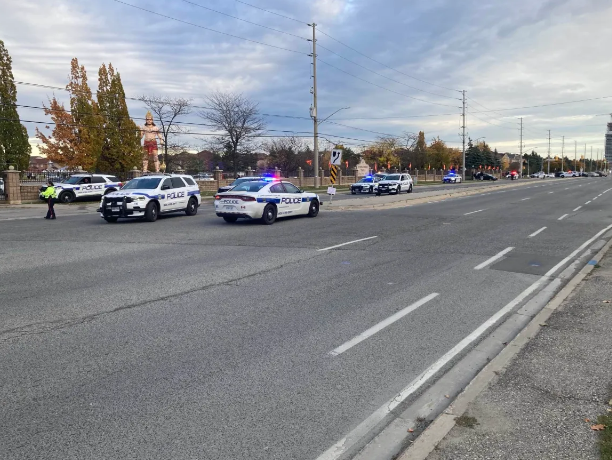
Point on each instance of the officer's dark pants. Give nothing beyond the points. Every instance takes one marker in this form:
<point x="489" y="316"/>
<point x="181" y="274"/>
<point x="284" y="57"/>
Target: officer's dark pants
<point x="51" y="211"/>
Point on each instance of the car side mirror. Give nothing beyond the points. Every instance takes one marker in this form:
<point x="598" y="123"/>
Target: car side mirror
<point x="165" y="187"/>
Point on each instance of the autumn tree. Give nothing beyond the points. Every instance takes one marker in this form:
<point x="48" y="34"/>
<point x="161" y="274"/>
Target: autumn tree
<point x="420" y="151"/>
<point x="284" y="153"/>
<point x="15" y="148"/>
<point x="120" y="150"/>
<point x="167" y="111"/>
<point x="438" y="154"/>
<point x="77" y="136"/>
<point x="238" y="122"/>
<point x="383" y="152"/>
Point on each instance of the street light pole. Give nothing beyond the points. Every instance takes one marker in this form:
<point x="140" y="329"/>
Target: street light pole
<point x="313" y="111"/>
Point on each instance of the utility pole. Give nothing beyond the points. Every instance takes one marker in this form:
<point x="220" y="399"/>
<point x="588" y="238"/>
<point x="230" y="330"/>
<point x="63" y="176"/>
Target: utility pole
<point x="463" y="136"/>
<point x="591" y="162"/>
<point x="548" y="171"/>
<point x="575" y="155"/>
<point x="584" y="156"/>
<point x="313" y="110"/>
<point x="521" y="153"/>
<point x="562" y="150"/>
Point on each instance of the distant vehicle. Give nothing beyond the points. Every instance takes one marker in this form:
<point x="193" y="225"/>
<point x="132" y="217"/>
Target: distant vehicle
<point x="395" y="183"/>
<point x="369" y="184"/>
<point x="152" y="195"/>
<point x="85" y="186"/>
<point x="265" y="200"/>
<point x="512" y="175"/>
<point x="584" y="174"/>
<point x="204" y="176"/>
<point x="484" y="176"/>
<point x="451" y="178"/>
<point x="1" y="186"/>
<point x="602" y="173"/>
<point x="538" y="175"/>
<point x="240" y="180"/>
<point x="564" y="174"/>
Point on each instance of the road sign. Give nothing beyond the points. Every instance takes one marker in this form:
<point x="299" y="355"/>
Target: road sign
<point x="333" y="173"/>
<point x="336" y="157"/>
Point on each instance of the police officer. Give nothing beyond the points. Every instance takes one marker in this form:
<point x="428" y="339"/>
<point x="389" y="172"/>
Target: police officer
<point x="50" y="195"/>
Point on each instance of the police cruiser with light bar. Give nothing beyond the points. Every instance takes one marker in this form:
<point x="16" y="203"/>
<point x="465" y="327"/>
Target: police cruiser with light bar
<point x="152" y="195"/>
<point x="266" y="200"/>
<point x="369" y="184"/>
<point x="85" y="186"/>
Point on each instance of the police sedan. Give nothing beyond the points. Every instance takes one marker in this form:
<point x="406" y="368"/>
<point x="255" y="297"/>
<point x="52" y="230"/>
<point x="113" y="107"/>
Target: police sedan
<point x="266" y="200"/>
<point x="451" y="178"/>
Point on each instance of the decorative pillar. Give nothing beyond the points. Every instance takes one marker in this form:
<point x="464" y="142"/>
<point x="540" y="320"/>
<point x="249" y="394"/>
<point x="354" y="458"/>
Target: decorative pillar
<point x="12" y="188"/>
<point x="356" y="172"/>
<point x="218" y="176"/>
<point x="300" y="176"/>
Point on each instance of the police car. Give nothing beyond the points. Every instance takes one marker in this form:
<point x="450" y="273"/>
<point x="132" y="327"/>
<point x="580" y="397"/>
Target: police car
<point x="395" y="183"/>
<point x="265" y="200"/>
<point x="240" y="180"/>
<point x="152" y="195"/>
<point x="451" y="178"/>
<point x="85" y="186"/>
<point x="369" y="184"/>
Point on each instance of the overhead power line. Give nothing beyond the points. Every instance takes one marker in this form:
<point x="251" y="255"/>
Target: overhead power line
<point x="492" y="124"/>
<point x="272" y="12"/>
<point x="385" y="65"/>
<point x="382" y="87"/>
<point x="545" y="105"/>
<point x="243" y="20"/>
<point x="207" y="28"/>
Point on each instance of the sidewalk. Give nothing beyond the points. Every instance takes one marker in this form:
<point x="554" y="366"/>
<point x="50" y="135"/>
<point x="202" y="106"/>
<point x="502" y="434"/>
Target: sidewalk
<point x="545" y="404"/>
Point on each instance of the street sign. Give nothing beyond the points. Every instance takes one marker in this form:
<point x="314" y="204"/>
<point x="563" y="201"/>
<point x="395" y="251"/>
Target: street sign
<point x="336" y="157"/>
<point x="333" y="173"/>
<point x="331" y="190"/>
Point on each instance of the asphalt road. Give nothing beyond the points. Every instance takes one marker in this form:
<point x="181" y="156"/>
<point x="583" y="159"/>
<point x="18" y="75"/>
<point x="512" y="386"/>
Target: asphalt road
<point x="190" y="338"/>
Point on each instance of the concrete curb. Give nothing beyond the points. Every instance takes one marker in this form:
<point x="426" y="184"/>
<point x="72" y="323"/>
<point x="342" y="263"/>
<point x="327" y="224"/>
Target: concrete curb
<point x="437" y="195"/>
<point x="441" y="426"/>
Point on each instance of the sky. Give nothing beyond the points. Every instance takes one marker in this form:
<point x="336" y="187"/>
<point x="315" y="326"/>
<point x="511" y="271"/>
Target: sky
<point x="392" y="66"/>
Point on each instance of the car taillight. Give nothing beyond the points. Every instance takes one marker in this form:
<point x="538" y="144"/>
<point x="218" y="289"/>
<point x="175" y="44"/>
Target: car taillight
<point x="217" y="197"/>
<point x="248" y="198"/>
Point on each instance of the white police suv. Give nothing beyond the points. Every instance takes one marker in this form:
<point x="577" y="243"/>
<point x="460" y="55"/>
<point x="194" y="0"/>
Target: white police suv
<point x="266" y="200"/>
<point x="395" y="183"/>
<point x="85" y="186"/>
<point x="152" y="195"/>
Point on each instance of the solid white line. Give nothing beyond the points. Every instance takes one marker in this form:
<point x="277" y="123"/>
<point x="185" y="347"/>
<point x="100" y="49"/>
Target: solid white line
<point x="383" y="324"/>
<point x="536" y="233"/>
<point x="563" y="217"/>
<point x="579" y="207"/>
<point x="335" y="451"/>
<point x="587" y="202"/>
<point x="524" y="199"/>
<point x="344" y="244"/>
<point x="493" y="259"/>
<point x="473" y="212"/>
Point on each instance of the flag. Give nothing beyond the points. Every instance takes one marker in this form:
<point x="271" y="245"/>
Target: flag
<point x="375" y="166"/>
<point x="309" y="162"/>
<point x="388" y="165"/>
<point x="346" y="163"/>
<point x="444" y="166"/>
<point x="410" y="166"/>
<point x="429" y="167"/>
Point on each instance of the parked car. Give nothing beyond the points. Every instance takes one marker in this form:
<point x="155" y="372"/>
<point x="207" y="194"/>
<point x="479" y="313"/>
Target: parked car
<point x="538" y="175"/>
<point x="1" y="186"/>
<point x="86" y="186"/>
<point x="368" y="184"/>
<point x="451" y="178"/>
<point x="564" y="174"/>
<point x="203" y="176"/>
<point x="395" y="183"/>
<point x="484" y="176"/>
<point x="512" y="175"/>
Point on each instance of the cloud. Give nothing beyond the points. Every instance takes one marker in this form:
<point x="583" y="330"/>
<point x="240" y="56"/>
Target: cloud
<point x="505" y="54"/>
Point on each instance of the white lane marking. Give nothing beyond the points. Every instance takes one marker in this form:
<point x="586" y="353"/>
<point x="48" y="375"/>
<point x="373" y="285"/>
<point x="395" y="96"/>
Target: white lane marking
<point x="579" y="207"/>
<point x="587" y="202"/>
<point x="493" y="259"/>
<point x="538" y="232"/>
<point x="335" y="451"/>
<point x="383" y="324"/>
<point x="524" y="199"/>
<point x="551" y="192"/>
<point x="473" y="212"/>
<point x="566" y="188"/>
<point x="344" y="244"/>
<point x="563" y="217"/>
<point x="595" y="198"/>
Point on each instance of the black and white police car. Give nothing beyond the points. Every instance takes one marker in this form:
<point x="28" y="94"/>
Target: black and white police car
<point x="395" y="183"/>
<point x="368" y="184"/>
<point x="152" y="195"/>
<point x="265" y="199"/>
<point x="451" y="178"/>
<point x="85" y="186"/>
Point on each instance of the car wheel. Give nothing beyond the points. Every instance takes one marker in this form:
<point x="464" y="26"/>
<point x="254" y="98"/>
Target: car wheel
<point x="371" y="190"/>
<point x="410" y="189"/>
<point x="110" y="220"/>
<point x="269" y="214"/>
<point x="399" y="190"/>
<point x="313" y="210"/>
<point x="66" y="197"/>
<point x="377" y="193"/>
<point x="230" y="219"/>
<point x="151" y="212"/>
<point x="110" y="190"/>
<point x="192" y="207"/>
<point x="353" y="192"/>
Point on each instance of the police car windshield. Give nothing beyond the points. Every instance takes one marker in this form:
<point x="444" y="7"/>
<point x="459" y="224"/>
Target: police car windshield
<point x="250" y="186"/>
<point x="73" y="179"/>
<point x="241" y="180"/>
<point x="392" y="177"/>
<point x="367" y="179"/>
<point x="147" y="183"/>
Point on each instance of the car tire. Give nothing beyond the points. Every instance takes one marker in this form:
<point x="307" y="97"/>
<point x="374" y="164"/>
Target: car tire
<point x="66" y="197"/>
<point x="353" y="192"/>
<point x="111" y="220"/>
<point x="313" y="209"/>
<point x="151" y="212"/>
<point x="410" y="189"/>
<point x="269" y="214"/>
<point x="110" y="190"/>
<point x="192" y="207"/>
<point x="230" y="219"/>
<point x="399" y="190"/>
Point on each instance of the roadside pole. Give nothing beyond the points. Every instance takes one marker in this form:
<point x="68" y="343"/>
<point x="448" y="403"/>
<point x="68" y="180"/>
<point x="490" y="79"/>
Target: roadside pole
<point x="335" y="161"/>
<point x="313" y="109"/>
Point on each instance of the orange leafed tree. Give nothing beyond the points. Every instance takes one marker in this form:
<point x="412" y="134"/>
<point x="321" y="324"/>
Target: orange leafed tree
<point x="77" y="135"/>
